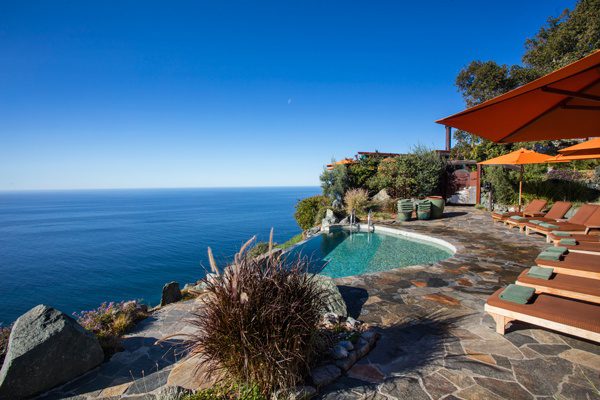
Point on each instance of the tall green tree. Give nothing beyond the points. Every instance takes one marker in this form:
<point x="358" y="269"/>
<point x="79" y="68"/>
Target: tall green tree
<point x="564" y="39"/>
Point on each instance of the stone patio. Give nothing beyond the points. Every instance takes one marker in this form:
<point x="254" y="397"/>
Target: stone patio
<point x="436" y="341"/>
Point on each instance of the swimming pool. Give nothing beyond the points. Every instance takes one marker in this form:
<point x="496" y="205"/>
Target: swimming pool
<point x="343" y="253"/>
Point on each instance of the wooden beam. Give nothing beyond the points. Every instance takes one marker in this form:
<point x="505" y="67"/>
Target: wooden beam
<point x="579" y="95"/>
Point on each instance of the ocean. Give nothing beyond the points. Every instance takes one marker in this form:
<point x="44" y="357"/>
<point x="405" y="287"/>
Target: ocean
<point x="73" y="250"/>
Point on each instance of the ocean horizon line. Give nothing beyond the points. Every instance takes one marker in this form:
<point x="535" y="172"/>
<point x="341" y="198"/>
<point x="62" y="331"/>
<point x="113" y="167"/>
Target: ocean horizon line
<point x="2" y="191"/>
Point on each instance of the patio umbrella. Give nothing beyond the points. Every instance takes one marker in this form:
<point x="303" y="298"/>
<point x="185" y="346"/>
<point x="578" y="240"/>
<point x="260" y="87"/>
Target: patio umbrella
<point x="590" y="147"/>
<point x="518" y="157"/>
<point x="561" y="105"/>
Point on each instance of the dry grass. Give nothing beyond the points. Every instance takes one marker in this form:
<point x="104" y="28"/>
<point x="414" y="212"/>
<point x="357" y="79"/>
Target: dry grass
<point x="260" y="323"/>
<point x="357" y="200"/>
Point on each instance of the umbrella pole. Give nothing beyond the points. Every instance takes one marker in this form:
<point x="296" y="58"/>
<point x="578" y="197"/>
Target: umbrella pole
<point x="520" y="187"/>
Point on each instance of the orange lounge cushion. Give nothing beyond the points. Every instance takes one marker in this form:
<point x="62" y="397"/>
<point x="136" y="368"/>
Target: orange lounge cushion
<point x="574" y="313"/>
<point x="585" y="246"/>
<point x="564" y="282"/>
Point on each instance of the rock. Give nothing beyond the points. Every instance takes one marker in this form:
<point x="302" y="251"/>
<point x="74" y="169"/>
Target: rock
<point x="46" y="348"/>
<point x="338" y="352"/>
<point x="335" y="301"/>
<point x="330" y="319"/>
<point x="370" y="336"/>
<point x="193" y="374"/>
<point x="351" y="323"/>
<point x="362" y="348"/>
<point x="313" y="231"/>
<point x="170" y="293"/>
<point x="346" y="344"/>
<point x="297" y="393"/>
<point x="324" y="375"/>
<point x="381" y="197"/>
<point x="172" y="392"/>
<point x="345" y="221"/>
<point x="329" y="219"/>
<point x="346" y="363"/>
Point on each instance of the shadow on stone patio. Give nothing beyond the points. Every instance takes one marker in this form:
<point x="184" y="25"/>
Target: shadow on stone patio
<point x="403" y="349"/>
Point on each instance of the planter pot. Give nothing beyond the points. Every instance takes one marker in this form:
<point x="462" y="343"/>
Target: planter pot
<point x="422" y="215"/>
<point x="437" y="206"/>
<point x="404" y="216"/>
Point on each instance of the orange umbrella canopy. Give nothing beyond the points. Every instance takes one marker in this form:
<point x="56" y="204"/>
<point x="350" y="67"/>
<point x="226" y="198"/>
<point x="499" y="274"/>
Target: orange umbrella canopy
<point x="584" y="148"/>
<point x="574" y="157"/>
<point x="518" y="157"/>
<point x="345" y="161"/>
<point x="561" y="105"/>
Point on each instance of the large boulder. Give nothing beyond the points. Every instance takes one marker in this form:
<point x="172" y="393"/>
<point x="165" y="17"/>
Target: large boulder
<point x="335" y="301"/>
<point x="329" y="219"/>
<point x="46" y="348"/>
<point x="170" y="293"/>
<point x="382" y="196"/>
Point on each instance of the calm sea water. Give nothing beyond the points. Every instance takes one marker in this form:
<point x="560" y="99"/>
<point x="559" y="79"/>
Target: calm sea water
<point x="76" y="249"/>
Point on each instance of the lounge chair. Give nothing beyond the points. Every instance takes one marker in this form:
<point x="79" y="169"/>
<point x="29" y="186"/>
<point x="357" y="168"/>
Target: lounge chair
<point x="573" y="287"/>
<point x="556" y="236"/>
<point x="572" y="317"/>
<point x="587" y="216"/>
<point x="533" y="209"/>
<point x="592" y="248"/>
<point x="576" y="264"/>
<point x="556" y="212"/>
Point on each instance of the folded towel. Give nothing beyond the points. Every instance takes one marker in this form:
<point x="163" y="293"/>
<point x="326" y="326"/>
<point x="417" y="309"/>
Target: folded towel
<point x="540" y="272"/>
<point x="549" y="255"/>
<point x="517" y="294"/>
<point x="549" y="226"/>
<point x="517" y="217"/>
<point x="568" y="242"/>
<point x="559" y="233"/>
<point x="556" y="249"/>
<point x="536" y="222"/>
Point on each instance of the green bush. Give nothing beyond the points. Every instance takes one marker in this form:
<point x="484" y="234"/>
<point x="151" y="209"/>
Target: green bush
<point x="296" y="239"/>
<point x="259" y="322"/>
<point x="418" y="174"/>
<point x="310" y="211"/>
<point x="259" y="249"/>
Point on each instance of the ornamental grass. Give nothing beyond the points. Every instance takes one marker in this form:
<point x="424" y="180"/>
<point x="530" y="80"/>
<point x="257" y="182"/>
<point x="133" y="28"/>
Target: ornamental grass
<point x="259" y="324"/>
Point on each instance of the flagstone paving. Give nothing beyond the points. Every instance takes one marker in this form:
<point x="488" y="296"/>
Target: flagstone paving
<point x="436" y="341"/>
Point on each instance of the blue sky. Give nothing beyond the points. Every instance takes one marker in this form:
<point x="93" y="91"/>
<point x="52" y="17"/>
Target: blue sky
<point x="105" y="94"/>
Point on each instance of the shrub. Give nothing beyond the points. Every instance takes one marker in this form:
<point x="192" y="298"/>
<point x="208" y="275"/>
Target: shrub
<point x="565" y="175"/>
<point x="309" y="210"/>
<point x="295" y="239"/>
<point x="357" y="200"/>
<point x="259" y="249"/>
<point x="418" y="174"/>
<point x="4" y="335"/>
<point x="110" y="321"/>
<point x="259" y="322"/>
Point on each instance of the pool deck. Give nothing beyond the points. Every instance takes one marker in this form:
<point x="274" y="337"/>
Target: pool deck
<point x="437" y="342"/>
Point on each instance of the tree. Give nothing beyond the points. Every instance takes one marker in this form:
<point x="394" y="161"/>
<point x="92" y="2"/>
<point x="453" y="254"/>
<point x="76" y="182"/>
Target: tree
<point x="335" y="182"/>
<point x="565" y="39"/>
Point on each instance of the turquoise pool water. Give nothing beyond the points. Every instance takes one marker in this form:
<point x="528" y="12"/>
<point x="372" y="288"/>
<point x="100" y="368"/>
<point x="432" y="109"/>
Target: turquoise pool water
<point x="342" y="253"/>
